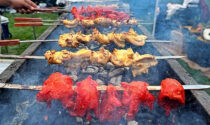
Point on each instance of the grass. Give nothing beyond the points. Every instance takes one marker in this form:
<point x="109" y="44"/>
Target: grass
<point x="196" y="74"/>
<point x="25" y="33"/>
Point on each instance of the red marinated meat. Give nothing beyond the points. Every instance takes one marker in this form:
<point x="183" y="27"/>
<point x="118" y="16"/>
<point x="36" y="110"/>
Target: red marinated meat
<point x="57" y="87"/>
<point x="135" y="94"/>
<point x="110" y="105"/>
<point x="87" y="99"/>
<point x="171" y="95"/>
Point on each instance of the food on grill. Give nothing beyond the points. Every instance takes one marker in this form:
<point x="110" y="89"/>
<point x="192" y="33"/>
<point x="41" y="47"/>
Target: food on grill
<point x="68" y="40"/>
<point x="73" y="40"/>
<point x="54" y="57"/>
<point x="101" y="38"/>
<point x="87" y="23"/>
<point x="122" y="57"/>
<point x="132" y="37"/>
<point x="134" y="95"/>
<point x="57" y="87"/>
<point x="83" y="99"/>
<point x="171" y="95"/>
<point x="100" y="57"/>
<point x="110" y="106"/>
<point x="87" y="99"/>
<point x="125" y="58"/>
<point x="94" y="12"/>
<point x="142" y="63"/>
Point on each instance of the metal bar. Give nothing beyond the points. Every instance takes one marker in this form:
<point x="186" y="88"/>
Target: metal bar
<point x="99" y="88"/>
<point x="155" y="18"/>
<point x="31" y="41"/>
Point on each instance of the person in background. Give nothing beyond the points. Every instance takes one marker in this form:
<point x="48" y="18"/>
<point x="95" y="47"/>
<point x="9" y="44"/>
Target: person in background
<point x="22" y="6"/>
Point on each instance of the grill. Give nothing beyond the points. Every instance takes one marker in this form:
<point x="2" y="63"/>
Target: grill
<point x="21" y="107"/>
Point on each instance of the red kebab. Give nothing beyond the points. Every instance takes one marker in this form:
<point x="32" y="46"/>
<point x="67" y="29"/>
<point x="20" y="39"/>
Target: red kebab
<point x="95" y="12"/>
<point x="171" y="95"/>
<point x="84" y="98"/>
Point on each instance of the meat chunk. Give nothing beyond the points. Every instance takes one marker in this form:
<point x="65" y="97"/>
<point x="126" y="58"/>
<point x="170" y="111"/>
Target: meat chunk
<point x="122" y="57"/>
<point x="135" y="94"/>
<point x="57" y="87"/>
<point x="68" y="40"/>
<point x="171" y="95"/>
<point x="110" y="105"/>
<point x="100" y="57"/>
<point x="54" y="57"/>
<point x="87" y="99"/>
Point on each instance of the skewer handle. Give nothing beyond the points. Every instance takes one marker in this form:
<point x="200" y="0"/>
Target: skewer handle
<point x="28" y="24"/>
<point x="9" y="42"/>
<point x="25" y="19"/>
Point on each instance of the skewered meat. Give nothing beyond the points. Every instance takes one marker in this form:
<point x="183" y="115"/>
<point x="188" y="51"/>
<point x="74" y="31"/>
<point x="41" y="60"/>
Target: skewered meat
<point x="110" y="105"/>
<point x="132" y="37"/>
<point x="171" y="95"/>
<point x="54" y="57"/>
<point x="100" y="57"/>
<point x="68" y="40"/>
<point x="103" y="21"/>
<point x="84" y="38"/>
<point x="87" y="99"/>
<point x="122" y="57"/>
<point x="141" y="63"/>
<point x="87" y="23"/>
<point x="101" y="38"/>
<point x="135" y="94"/>
<point x="126" y="58"/>
<point x="119" y="40"/>
<point x="57" y="87"/>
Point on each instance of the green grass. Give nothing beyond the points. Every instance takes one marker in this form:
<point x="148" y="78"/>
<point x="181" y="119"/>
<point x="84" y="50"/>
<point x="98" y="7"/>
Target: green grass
<point x="196" y="74"/>
<point x="25" y="33"/>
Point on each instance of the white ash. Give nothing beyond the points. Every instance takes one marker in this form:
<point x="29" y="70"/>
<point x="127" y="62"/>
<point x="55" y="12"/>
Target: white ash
<point x="116" y="80"/>
<point x="115" y="72"/>
<point x="79" y="119"/>
<point x="90" y="70"/>
<point x="103" y="74"/>
<point x="109" y="66"/>
<point x="132" y="122"/>
<point x="74" y="77"/>
<point x="100" y="82"/>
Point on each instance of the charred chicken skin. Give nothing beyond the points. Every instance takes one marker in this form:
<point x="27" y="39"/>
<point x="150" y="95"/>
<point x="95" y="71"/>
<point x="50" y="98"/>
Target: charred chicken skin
<point x="120" y="58"/>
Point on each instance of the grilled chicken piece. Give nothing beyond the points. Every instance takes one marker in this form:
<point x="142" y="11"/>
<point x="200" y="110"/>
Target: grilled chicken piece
<point x="132" y="22"/>
<point x="71" y="24"/>
<point x="82" y="53"/>
<point x="84" y="38"/>
<point x="122" y="57"/>
<point x="119" y="40"/>
<point x="116" y="23"/>
<point x="68" y="40"/>
<point x="101" y="38"/>
<point x="100" y="57"/>
<point x="103" y="21"/>
<point x="132" y="37"/>
<point x="87" y="23"/>
<point x="54" y="57"/>
<point x="142" y="63"/>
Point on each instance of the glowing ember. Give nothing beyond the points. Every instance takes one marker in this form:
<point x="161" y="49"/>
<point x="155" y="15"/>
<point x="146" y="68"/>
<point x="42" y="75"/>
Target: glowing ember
<point x="135" y="94"/>
<point x="171" y="95"/>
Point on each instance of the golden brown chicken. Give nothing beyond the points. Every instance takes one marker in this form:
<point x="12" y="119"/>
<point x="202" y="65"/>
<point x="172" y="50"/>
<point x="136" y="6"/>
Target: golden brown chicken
<point x="119" y="40"/>
<point x="68" y="40"/>
<point x="84" y="38"/>
<point x="122" y="57"/>
<point x="142" y="63"/>
<point x="87" y="23"/>
<point x="103" y="21"/>
<point x="132" y="37"/>
<point x="100" y="57"/>
<point x="71" y="24"/>
<point x="101" y="38"/>
<point x="54" y="57"/>
<point x="82" y="53"/>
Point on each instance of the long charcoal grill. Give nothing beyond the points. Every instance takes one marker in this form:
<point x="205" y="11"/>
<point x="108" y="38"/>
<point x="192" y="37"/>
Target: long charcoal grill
<point x="21" y="107"/>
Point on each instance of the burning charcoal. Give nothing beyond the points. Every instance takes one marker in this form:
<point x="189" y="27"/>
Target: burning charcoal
<point x="116" y="80"/>
<point x="115" y="72"/>
<point x="74" y="77"/>
<point x="79" y="119"/>
<point x="109" y="66"/>
<point x="100" y="82"/>
<point x="132" y="123"/>
<point x="90" y="69"/>
<point x="103" y="74"/>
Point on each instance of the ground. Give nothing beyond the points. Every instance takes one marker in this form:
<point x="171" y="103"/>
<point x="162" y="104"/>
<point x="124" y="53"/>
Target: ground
<point x="25" y="33"/>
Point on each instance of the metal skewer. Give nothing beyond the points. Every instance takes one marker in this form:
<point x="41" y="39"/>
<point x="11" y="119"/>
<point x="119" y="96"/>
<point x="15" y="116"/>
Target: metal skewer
<point x="100" y="88"/>
<point x="42" y="57"/>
